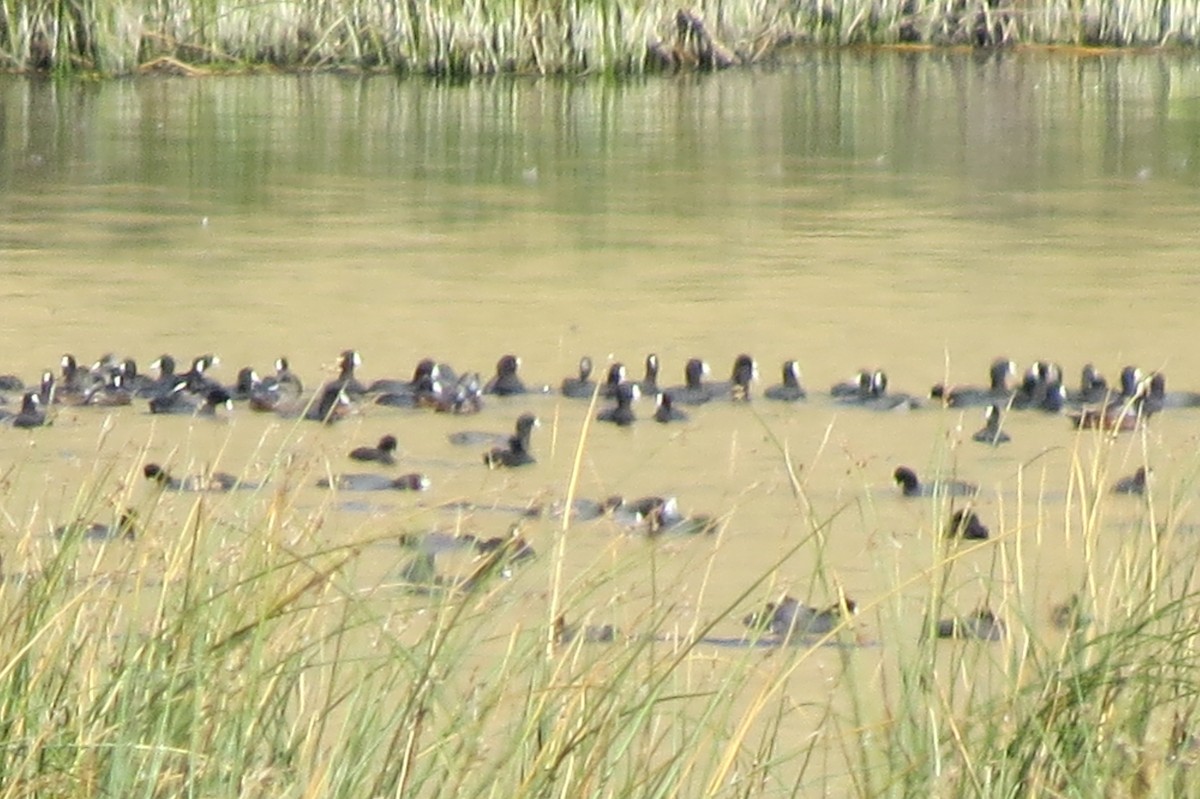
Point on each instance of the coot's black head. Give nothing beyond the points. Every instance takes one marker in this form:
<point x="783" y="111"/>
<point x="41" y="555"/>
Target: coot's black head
<point x="202" y="363"/>
<point x="165" y="366"/>
<point x="388" y="444"/>
<point x="507" y="366"/>
<point x="791" y="374"/>
<point x="744" y="371"/>
<point x="30" y="402"/>
<point x="347" y="362"/>
<point x="426" y="372"/>
<point x="153" y="471"/>
<point x="879" y="383"/>
<point x="1158" y="386"/>
<point x="615" y="377"/>
<point x="525" y="425"/>
<point x="651" y="368"/>
<point x="907" y="479"/>
<point x="694" y="372"/>
<point x="1091" y="380"/>
<point x="1131" y="376"/>
<point x="69" y="366"/>
<point x="218" y="396"/>
<point x="585" y="368"/>
<point x="247" y="380"/>
<point x="129" y="368"/>
<point x="282" y="365"/>
<point x="1002" y="369"/>
<point x="627" y="393"/>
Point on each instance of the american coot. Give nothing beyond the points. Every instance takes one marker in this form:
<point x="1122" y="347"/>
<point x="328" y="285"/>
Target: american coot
<point x="375" y="482"/>
<point x="383" y="452"/>
<point x="285" y="381"/>
<point x="1134" y="483"/>
<point x="110" y="393"/>
<point x="583" y="386"/>
<point x="506" y="382"/>
<point x="184" y="402"/>
<point x="622" y="413"/>
<point x="665" y="410"/>
<point x="881" y="400"/>
<point x="247" y="384"/>
<point x="1157" y="397"/>
<point x="857" y="389"/>
<point x="331" y="405"/>
<point x="125" y="528"/>
<point x="997" y="389"/>
<point x="912" y="487"/>
<point x="991" y="432"/>
<point x="197" y="379"/>
<point x="791" y="389"/>
<point x="31" y="414"/>
<point x="1041" y="389"/>
<point x="1093" y="388"/>
<point x="215" y="481"/>
<point x="165" y="382"/>
<point x="425" y="377"/>
<point x="964" y="523"/>
<point x="981" y="624"/>
<point x="790" y="619"/>
<point x="347" y="362"/>
<point x="73" y="382"/>
<point x="694" y="391"/>
<point x="518" y="452"/>
<point x="590" y="633"/>
<point x="613" y="378"/>
<point x="745" y="371"/>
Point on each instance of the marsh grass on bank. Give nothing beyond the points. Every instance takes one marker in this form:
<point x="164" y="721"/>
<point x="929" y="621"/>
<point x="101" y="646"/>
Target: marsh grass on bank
<point x="225" y="646"/>
<point x="483" y="38"/>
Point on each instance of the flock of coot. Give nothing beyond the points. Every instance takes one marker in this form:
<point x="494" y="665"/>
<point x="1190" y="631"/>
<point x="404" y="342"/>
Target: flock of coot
<point x="437" y="387"/>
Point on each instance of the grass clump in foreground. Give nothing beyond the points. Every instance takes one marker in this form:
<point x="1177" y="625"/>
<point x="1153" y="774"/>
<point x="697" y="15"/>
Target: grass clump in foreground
<point x="474" y="38"/>
<point x="213" y="656"/>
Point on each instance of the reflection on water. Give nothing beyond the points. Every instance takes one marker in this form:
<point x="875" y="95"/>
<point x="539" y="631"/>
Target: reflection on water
<point x="923" y="212"/>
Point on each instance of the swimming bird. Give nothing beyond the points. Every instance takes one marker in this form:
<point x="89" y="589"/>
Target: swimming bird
<point x="991" y="433"/>
<point x="912" y="487"/>
<point x="981" y="624"/>
<point x="383" y="452"/>
<point x="789" y="618"/>
<point x="965" y="523"/>
<point x="1134" y="483"/>
<point x="517" y="453"/>
<point x="790" y="390"/>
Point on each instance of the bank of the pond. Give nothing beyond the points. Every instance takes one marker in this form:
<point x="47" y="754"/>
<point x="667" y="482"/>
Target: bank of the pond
<point x="475" y="38"/>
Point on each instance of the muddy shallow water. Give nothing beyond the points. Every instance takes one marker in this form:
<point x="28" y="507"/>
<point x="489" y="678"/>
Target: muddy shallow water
<point x="923" y="213"/>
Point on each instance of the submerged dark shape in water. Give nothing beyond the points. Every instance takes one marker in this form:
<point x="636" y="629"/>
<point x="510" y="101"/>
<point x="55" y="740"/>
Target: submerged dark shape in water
<point x="789" y="618"/>
<point x="981" y="624"/>
<point x="375" y="482"/>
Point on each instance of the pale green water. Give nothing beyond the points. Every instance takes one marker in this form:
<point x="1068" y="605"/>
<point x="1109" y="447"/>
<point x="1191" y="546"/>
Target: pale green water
<point x="919" y="212"/>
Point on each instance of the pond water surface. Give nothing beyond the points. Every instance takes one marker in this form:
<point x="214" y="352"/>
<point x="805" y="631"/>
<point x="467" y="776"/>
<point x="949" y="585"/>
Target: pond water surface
<point x="919" y="212"/>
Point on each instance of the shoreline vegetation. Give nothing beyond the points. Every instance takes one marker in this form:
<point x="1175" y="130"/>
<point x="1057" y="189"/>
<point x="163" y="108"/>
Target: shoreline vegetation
<point x="238" y="648"/>
<point x="615" y="37"/>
